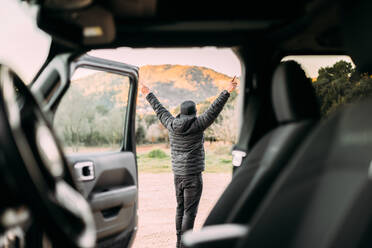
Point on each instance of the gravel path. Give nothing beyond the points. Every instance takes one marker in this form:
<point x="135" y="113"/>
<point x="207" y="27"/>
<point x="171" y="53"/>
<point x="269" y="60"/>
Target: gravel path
<point x="157" y="207"/>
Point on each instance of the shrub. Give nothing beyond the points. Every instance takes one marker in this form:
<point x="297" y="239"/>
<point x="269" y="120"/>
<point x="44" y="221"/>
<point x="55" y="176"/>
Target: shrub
<point x="140" y="134"/>
<point x="226" y="161"/>
<point x="157" y="153"/>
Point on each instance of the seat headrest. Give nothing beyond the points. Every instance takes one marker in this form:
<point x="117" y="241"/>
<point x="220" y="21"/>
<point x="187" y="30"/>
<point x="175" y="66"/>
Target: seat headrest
<point x="293" y="95"/>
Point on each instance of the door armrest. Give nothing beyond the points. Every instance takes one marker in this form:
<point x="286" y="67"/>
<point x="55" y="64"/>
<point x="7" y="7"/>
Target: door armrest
<point x="215" y="236"/>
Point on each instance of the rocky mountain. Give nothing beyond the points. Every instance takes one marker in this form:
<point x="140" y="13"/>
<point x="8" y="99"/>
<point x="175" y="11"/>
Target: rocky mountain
<point x="172" y="84"/>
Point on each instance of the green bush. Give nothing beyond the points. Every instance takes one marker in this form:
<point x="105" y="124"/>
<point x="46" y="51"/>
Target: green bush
<point x="226" y="161"/>
<point x="157" y="153"/>
<point x="140" y="134"/>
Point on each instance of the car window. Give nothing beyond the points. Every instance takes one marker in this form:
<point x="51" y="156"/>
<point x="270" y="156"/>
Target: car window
<point x="336" y="81"/>
<point x="91" y="115"/>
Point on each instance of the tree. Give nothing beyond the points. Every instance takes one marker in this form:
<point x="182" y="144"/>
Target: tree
<point x="340" y="70"/>
<point x="113" y="126"/>
<point x="73" y="121"/>
<point x="140" y="134"/>
<point x="340" y="84"/>
<point x="154" y="133"/>
<point x="150" y="119"/>
<point x="209" y="134"/>
<point x="227" y="128"/>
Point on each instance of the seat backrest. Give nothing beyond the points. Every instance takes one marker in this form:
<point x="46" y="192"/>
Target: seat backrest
<point x="296" y="110"/>
<point x="323" y="198"/>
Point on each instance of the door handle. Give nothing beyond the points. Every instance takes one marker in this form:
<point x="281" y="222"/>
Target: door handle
<point x="123" y="197"/>
<point x="84" y="171"/>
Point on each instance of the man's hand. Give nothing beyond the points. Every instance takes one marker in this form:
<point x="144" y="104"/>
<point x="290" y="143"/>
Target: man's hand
<point x="145" y="90"/>
<point x="232" y="85"/>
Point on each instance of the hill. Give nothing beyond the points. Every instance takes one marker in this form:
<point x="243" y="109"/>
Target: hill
<point x="171" y="83"/>
<point x="176" y="83"/>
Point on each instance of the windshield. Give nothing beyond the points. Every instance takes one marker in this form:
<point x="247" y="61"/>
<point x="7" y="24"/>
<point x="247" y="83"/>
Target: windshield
<point x="24" y="47"/>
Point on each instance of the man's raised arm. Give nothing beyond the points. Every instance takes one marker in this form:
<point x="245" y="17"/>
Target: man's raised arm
<point x="162" y="113"/>
<point x="211" y="114"/>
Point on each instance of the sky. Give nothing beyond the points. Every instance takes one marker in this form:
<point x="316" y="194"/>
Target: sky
<point x="222" y="60"/>
<point x="25" y="48"/>
<point x="219" y="59"/>
<point x="311" y="64"/>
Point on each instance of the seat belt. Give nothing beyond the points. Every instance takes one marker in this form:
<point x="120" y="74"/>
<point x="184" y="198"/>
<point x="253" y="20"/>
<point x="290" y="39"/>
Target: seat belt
<point x="241" y="149"/>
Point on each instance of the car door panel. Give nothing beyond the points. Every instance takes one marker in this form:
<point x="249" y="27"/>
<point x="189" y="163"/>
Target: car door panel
<point x="108" y="180"/>
<point x="112" y="193"/>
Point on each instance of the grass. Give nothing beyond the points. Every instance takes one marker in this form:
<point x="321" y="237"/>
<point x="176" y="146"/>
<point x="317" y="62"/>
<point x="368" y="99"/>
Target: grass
<point x="156" y="158"/>
<point x="157" y="153"/>
<point x="218" y="159"/>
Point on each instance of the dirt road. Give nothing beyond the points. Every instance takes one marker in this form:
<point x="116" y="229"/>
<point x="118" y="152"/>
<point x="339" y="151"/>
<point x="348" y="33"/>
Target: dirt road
<point x="157" y="207"/>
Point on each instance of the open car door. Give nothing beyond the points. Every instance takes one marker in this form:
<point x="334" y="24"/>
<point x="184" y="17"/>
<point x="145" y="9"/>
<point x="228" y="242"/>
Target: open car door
<point x="94" y="117"/>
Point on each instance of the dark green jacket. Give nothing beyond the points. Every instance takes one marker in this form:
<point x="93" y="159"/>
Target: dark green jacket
<point x="186" y="134"/>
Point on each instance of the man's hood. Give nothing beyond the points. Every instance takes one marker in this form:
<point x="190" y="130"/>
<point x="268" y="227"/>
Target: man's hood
<point x="182" y="123"/>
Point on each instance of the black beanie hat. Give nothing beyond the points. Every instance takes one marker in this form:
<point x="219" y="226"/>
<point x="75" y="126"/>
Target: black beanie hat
<point x="188" y="108"/>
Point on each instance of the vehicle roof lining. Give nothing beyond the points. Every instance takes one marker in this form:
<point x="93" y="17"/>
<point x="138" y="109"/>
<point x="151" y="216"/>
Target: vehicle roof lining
<point x="170" y="10"/>
<point x="319" y="31"/>
<point x="289" y="24"/>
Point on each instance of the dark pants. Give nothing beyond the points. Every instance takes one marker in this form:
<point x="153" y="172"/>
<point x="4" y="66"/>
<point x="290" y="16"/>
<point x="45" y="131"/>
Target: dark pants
<point x="188" y="192"/>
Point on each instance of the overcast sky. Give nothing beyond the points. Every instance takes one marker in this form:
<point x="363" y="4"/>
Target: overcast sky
<point x="219" y="59"/>
<point x="311" y="64"/>
<point x="24" y="47"/>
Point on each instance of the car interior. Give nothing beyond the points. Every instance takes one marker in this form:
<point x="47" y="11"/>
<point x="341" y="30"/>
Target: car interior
<point x="296" y="109"/>
<point x="300" y="179"/>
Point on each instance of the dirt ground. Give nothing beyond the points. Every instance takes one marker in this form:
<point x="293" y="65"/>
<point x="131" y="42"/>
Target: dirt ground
<point x="157" y="207"/>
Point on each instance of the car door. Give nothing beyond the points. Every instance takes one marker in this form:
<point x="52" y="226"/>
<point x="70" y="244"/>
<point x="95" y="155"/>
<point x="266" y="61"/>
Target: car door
<point x="93" y="116"/>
